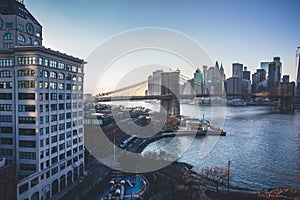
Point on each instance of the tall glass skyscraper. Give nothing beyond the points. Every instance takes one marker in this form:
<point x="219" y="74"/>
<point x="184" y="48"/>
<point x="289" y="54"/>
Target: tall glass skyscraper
<point x="298" y="66"/>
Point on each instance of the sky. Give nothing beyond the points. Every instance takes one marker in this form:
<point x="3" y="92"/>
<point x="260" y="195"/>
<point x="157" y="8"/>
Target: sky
<point x="230" y="31"/>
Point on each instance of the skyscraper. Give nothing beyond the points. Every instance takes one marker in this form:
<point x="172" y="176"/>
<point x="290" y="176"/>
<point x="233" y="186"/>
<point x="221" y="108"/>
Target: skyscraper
<point x="298" y="66"/>
<point x="198" y="82"/>
<point x="246" y="74"/>
<point x="237" y="70"/>
<point x="272" y="75"/>
<point x="278" y="71"/>
<point x="41" y="104"/>
<point x="265" y="66"/>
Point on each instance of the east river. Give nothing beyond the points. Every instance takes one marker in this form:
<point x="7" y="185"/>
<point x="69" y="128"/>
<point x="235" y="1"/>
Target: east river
<point x="262" y="145"/>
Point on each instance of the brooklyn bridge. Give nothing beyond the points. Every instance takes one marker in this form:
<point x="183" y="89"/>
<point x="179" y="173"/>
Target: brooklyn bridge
<point x="170" y="99"/>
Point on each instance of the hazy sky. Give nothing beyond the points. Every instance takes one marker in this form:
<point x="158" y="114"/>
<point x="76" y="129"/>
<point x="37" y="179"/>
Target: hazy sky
<point x="229" y="30"/>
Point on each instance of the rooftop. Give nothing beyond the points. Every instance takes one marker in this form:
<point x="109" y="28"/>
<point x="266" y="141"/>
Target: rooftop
<point x="13" y="7"/>
<point x="44" y="49"/>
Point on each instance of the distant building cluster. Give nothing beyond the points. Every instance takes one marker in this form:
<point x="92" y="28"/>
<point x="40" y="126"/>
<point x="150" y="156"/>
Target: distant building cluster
<point x="212" y="80"/>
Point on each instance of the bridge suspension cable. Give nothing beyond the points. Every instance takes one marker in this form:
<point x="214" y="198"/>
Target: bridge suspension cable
<point x="123" y="89"/>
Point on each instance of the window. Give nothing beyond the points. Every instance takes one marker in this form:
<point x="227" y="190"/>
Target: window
<point x="69" y="143"/>
<point x="53" y="96"/>
<point x="5" y="96"/>
<point x="61" y="96"/>
<point x="68" y="77"/>
<point x="53" y="118"/>
<point x="8" y="141"/>
<point x="26" y="61"/>
<point x="53" y="161"/>
<point x="29" y="41"/>
<point x="53" y="149"/>
<point x="69" y="153"/>
<point x="62" y="116"/>
<point x="27" y="167"/>
<point x="45" y="74"/>
<point x="21" y="38"/>
<point x="74" y="69"/>
<point x="6" y="62"/>
<point x="61" y="136"/>
<point x="26" y="84"/>
<point x="79" y="70"/>
<point x="41" y="143"/>
<point x="68" y="96"/>
<point x="61" y="106"/>
<point x="61" y="157"/>
<point x="53" y="139"/>
<point x="61" y="127"/>
<point x="69" y="115"/>
<point x="27" y="155"/>
<point x="36" y="43"/>
<point x="53" y="128"/>
<point x="6" y="118"/>
<point x="63" y="165"/>
<point x="26" y="72"/>
<point x="61" y="66"/>
<point x="5" y="73"/>
<point x="61" y="86"/>
<point x="8" y="36"/>
<point x="53" y="64"/>
<point x="6" y="152"/>
<point x="26" y="96"/>
<point x="27" y="144"/>
<point x="6" y="130"/>
<point x="41" y="62"/>
<point x="53" y="75"/>
<point x="69" y="134"/>
<point x="62" y="146"/>
<point x="5" y="107"/>
<point x="53" y="86"/>
<point x="27" y="132"/>
<point x="26" y="120"/>
<point x="53" y="107"/>
<point x="55" y="169"/>
<point x="68" y="105"/>
<point x="20" y="27"/>
<point x="9" y="25"/>
<point x="61" y="76"/>
<point x="6" y="85"/>
<point x="26" y="108"/>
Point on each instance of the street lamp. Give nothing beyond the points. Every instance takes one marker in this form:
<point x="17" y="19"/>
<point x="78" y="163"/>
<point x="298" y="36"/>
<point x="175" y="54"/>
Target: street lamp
<point x="228" y="173"/>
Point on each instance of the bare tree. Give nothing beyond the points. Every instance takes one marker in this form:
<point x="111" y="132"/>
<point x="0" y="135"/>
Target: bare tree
<point x="216" y="175"/>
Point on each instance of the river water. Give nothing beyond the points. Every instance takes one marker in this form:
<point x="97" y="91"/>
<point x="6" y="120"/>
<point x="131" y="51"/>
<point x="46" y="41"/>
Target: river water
<point x="263" y="146"/>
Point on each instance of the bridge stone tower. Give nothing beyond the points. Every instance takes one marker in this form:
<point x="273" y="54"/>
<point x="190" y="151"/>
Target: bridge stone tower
<point x="170" y="86"/>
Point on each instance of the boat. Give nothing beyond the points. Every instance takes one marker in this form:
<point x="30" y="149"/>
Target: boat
<point x="204" y="127"/>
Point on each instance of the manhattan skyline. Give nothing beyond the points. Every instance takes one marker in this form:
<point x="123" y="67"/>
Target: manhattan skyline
<point x="231" y="31"/>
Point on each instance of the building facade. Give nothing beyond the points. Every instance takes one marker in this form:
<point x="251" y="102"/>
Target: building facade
<point x="198" y="82"/>
<point x="41" y="103"/>
<point x="237" y="70"/>
<point x="298" y="66"/>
